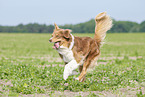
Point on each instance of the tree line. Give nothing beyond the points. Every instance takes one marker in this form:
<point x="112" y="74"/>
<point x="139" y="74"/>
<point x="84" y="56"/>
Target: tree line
<point x="86" y="27"/>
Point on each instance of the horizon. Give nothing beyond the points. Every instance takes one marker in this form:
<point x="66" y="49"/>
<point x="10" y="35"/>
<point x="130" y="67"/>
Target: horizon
<point x="65" y="24"/>
<point x="63" y="12"/>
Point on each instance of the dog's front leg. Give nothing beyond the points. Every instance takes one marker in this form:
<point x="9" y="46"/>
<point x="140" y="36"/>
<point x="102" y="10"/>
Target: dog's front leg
<point x="72" y="65"/>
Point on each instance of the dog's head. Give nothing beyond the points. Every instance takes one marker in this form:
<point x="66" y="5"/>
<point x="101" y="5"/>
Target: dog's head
<point x="60" y="37"/>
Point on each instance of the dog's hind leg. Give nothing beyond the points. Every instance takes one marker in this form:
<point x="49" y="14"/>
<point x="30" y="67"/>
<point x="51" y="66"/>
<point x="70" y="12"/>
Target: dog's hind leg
<point x="83" y="72"/>
<point x="80" y="69"/>
<point x="86" y="64"/>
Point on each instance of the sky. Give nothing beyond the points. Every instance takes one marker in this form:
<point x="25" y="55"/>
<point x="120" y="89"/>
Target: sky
<point x="14" y="12"/>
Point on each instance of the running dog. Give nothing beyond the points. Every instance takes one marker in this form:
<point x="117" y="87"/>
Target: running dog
<point x="80" y="52"/>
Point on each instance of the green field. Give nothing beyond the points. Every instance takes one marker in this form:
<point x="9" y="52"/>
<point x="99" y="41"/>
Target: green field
<point x="29" y="65"/>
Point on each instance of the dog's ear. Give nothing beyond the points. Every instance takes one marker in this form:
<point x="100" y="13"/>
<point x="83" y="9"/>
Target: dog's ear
<point x="67" y="33"/>
<point x="56" y="27"/>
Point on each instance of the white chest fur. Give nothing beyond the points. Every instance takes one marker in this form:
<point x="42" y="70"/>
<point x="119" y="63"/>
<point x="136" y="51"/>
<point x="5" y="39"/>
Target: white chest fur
<point x="66" y="53"/>
<point x="69" y="58"/>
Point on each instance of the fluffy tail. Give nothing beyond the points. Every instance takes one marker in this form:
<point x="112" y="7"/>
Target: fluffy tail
<point x="103" y="24"/>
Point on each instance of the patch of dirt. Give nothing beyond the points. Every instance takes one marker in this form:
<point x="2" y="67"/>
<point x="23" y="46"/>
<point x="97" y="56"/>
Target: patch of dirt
<point x="5" y="82"/>
<point x="122" y="92"/>
<point x="58" y="59"/>
<point x="98" y="63"/>
<point x="46" y="58"/>
<point x="35" y="95"/>
<point x="46" y="65"/>
<point x="104" y="63"/>
<point x="120" y="58"/>
<point x="67" y="93"/>
<point x="124" y="43"/>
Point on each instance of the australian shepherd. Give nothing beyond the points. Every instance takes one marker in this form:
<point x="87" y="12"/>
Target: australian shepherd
<point x="80" y="52"/>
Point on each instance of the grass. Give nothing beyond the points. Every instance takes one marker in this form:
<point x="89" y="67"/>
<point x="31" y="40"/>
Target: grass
<point x="27" y="64"/>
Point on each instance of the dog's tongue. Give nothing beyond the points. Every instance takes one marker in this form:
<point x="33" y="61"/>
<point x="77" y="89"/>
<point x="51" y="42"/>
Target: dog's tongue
<point x="56" y="45"/>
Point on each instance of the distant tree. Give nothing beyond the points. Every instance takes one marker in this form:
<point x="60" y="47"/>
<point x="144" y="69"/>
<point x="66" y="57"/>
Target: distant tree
<point x="1" y="28"/>
<point x="123" y="26"/>
<point x="86" y="27"/>
<point x="142" y="27"/>
<point x="50" y="29"/>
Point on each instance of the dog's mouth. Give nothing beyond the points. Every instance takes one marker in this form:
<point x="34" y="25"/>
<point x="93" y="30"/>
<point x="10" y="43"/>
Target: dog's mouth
<point x="56" y="45"/>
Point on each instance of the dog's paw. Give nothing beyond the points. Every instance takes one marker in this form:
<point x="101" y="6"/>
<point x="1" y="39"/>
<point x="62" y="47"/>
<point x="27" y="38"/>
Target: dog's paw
<point x="74" y="73"/>
<point x="76" y="78"/>
<point x="65" y="75"/>
<point x="80" y="80"/>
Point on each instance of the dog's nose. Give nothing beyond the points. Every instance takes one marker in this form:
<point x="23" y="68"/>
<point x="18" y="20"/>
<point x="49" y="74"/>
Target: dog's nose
<point x="50" y="40"/>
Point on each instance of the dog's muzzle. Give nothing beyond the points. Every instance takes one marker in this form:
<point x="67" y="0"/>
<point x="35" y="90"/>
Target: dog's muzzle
<point x="50" y="40"/>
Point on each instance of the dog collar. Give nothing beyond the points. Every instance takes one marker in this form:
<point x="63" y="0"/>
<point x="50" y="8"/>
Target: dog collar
<point x="72" y="43"/>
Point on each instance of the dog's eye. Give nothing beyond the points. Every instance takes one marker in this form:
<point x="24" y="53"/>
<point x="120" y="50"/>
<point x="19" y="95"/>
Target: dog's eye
<point x="51" y="35"/>
<point x="57" y="36"/>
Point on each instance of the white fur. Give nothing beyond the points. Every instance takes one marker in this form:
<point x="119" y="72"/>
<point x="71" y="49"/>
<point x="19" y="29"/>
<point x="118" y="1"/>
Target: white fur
<point x="68" y="70"/>
<point x="74" y="73"/>
<point x="76" y="78"/>
<point x="66" y="53"/>
<point x="72" y="43"/>
<point x="69" y="58"/>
